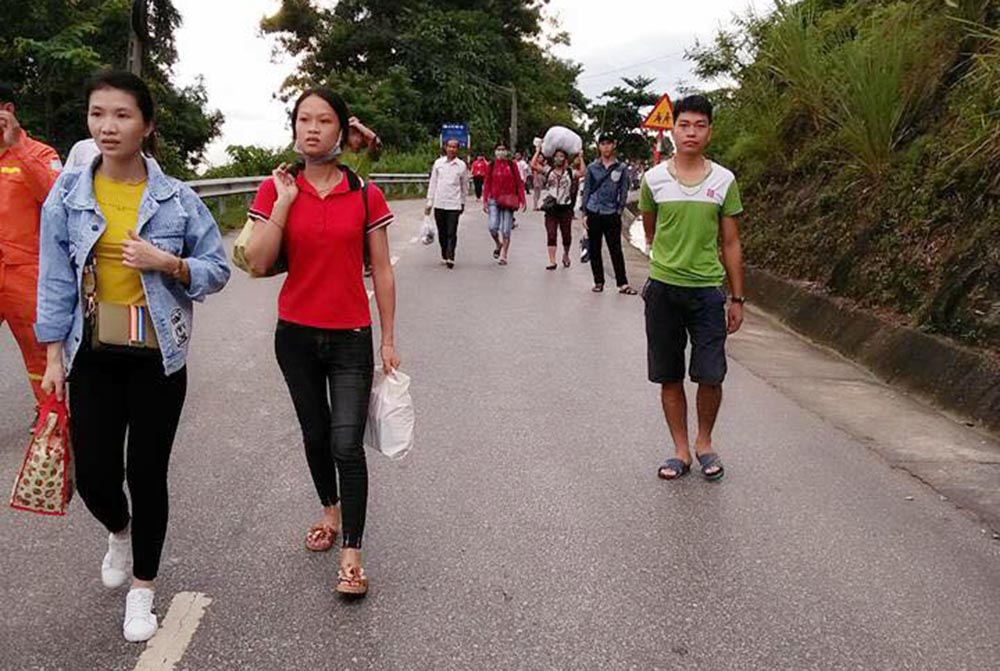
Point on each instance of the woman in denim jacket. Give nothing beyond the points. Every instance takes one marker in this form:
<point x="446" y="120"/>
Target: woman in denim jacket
<point x="154" y="248"/>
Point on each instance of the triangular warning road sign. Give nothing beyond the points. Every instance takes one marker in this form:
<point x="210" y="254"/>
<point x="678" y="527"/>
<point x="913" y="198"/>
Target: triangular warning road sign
<point x="662" y="116"/>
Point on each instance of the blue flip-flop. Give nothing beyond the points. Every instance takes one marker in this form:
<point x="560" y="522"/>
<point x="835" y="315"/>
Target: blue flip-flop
<point x="707" y="461"/>
<point x="678" y="466"/>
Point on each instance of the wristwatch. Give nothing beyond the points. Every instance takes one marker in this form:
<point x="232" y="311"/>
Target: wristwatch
<point x="738" y="299"/>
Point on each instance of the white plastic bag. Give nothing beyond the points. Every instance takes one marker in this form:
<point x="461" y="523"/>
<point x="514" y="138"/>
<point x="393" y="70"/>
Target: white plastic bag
<point x="427" y="231"/>
<point x="390" y="415"/>
<point x="559" y="137"/>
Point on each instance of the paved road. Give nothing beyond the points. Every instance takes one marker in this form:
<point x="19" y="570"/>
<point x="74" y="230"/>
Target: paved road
<point x="527" y="530"/>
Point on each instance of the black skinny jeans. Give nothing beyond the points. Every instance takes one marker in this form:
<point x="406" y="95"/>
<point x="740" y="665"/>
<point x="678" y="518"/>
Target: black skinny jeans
<point x="447" y="225"/>
<point x="329" y="376"/>
<point x="111" y="393"/>
<point x="608" y="226"/>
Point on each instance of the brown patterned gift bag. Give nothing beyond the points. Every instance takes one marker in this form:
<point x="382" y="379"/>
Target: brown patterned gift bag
<point x="45" y="482"/>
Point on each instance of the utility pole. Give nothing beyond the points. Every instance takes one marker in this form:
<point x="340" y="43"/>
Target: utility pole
<point x="137" y="36"/>
<point x="513" y="119"/>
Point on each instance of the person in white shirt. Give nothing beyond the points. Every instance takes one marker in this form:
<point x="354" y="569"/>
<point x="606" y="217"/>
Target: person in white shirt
<point x="82" y="155"/>
<point x="525" y="168"/>
<point x="446" y="196"/>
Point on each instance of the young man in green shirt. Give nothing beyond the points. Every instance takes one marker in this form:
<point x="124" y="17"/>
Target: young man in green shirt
<point x="689" y="204"/>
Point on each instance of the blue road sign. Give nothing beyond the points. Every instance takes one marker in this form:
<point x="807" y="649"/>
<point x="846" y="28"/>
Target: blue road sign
<point x="455" y="131"/>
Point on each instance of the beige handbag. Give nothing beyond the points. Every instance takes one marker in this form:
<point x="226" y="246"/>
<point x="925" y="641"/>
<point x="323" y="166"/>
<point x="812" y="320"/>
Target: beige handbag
<point x="240" y="257"/>
<point x="125" y="327"/>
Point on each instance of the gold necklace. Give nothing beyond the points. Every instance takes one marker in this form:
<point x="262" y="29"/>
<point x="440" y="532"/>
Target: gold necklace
<point x="689" y="189"/>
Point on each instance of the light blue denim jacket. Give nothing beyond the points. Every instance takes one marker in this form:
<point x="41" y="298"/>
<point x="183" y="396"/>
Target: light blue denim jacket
<point x="171" y="217"/>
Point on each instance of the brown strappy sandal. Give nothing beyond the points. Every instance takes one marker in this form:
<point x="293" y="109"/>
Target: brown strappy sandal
<point x="320" y="538"/>
<point x="352" y="581"/>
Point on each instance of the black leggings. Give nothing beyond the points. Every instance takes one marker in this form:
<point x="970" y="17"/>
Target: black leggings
<point x="559" y="222"/>
<point x="477" y="182"/>
<point x="447" y="225"/>
<point x="111" y="393"/>
<point x="329" y="376"/>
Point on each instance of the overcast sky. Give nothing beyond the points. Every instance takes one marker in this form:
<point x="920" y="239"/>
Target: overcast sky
<point x="220" y="41"/>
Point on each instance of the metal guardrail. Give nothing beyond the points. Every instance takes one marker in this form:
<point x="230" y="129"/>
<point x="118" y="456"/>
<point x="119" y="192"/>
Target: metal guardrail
<point x="231" y="186"/>
<point x="227" y="186"/>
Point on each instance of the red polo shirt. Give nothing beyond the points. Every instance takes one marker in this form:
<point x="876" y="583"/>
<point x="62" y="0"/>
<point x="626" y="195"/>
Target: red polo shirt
<point x="324" y="242"/>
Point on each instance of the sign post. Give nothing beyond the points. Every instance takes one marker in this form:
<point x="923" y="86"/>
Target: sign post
<point x="661" y="118"/>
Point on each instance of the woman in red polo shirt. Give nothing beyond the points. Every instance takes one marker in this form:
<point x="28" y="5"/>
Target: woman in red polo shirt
<point x="319" y="219"/>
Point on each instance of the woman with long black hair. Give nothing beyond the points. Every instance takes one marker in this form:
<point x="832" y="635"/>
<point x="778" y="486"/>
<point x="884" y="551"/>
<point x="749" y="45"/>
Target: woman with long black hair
<point x="125" y="250"/>
<point x="320" y="219"/>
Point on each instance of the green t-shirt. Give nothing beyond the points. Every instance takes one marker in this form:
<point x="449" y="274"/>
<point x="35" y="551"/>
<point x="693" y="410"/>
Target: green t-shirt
<point x="685" y="249"/>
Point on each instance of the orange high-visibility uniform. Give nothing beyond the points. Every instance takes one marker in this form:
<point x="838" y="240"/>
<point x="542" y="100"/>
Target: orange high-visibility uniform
<point x="27" y="172"/>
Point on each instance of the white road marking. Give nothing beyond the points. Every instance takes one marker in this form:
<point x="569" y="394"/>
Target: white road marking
<point x="166" y="648"/>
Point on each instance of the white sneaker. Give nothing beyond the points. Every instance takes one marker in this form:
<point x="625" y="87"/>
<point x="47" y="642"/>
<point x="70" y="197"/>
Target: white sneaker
<point x="117" y="562"/>
<point x="140" y="622"/>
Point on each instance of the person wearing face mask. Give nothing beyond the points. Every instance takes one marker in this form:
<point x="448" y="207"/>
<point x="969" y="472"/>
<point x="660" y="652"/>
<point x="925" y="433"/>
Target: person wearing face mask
<point x="125" y="251"/>
<point x="320" y="220"/>
<point x="559" y="183"/>
<point x="503" y="193"/>
<point x="28" y="169"/>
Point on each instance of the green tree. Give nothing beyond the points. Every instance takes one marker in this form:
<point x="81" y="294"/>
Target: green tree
<point x="618" y="114"/>
<point x="251" y="161"/>
<point x="49" y="48"/>
<point x="411" y="65"/>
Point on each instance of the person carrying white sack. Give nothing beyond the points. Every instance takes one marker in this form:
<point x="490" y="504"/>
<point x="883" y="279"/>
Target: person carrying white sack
<point x="558" y="182"/>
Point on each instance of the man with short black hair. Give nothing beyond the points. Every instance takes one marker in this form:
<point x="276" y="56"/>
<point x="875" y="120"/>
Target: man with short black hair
<point x="446" y="194"/>
<point x="605" y="193"/>
<point x="28" y="169"/>
<point x="688" y="203"/>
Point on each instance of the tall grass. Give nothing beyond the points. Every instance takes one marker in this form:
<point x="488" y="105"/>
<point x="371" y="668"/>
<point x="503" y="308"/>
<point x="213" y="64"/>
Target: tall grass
<point x="866" y="81"/>
<point x="982" y="134"/>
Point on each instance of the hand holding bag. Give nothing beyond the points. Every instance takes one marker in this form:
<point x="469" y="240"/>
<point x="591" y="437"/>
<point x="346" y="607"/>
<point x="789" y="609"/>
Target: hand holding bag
<point x="390" y="415"/>
<point x="44" y="484"/>
<point x="427" y="231"/>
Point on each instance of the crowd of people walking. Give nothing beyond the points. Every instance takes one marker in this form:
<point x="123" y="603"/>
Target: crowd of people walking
<point x="101" y="264"/>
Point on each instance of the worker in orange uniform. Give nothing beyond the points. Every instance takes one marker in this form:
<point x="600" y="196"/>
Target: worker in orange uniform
<point x="27" y="171"/>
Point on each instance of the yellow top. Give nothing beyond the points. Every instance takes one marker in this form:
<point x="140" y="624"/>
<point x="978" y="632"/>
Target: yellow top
<point x="119" y="203"/>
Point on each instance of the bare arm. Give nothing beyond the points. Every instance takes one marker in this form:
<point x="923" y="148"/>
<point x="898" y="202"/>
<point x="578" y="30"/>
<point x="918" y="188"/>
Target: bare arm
<point x="536" y="161"/>
<point x="264" y="245"/>
<point x="384" y="280"/>
<point x="732" y="259"/>
<point x="649" y="227"/>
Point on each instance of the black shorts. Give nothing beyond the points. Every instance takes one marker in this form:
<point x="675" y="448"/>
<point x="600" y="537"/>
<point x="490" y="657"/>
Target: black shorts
<point x="672" y="315"/>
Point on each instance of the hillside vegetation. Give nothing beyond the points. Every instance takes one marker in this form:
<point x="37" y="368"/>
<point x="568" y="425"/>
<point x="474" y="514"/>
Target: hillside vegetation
<point x="866" y="135"/>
